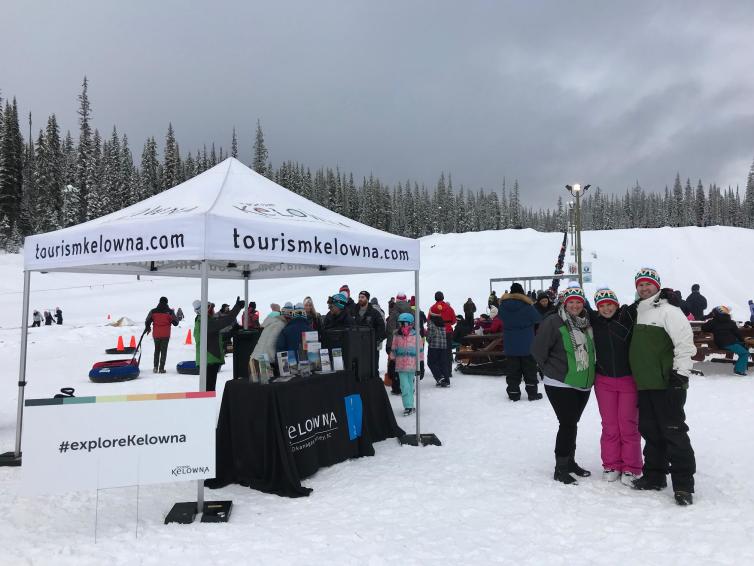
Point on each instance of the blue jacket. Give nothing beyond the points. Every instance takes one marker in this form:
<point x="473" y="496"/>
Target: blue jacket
<point x="290" y="337"/>
<point x="519" y="317"/>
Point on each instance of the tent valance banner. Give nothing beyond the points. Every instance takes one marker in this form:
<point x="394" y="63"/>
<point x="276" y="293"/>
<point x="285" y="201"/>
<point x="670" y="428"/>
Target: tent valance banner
<point x="230" y="215"/>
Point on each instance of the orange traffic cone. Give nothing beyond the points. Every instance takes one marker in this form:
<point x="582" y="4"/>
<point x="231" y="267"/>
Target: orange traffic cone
<point x="120" y="344"/>
<point x="188" y="338"/>
<point x="132" y="343"/>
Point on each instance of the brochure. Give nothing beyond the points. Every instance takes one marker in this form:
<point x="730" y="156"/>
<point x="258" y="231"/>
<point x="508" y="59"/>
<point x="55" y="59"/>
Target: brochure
<point x="304" y="368"/>
<point x="324" y="357"/>
<point x="337" y="359"/>
<point x="312" y="353"/>
<point x="284" y="368"/>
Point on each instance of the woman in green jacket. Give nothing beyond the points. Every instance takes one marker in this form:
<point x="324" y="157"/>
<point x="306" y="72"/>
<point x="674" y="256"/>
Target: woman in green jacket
<point x="564" y="351"/>
<point x="215" y="351"/>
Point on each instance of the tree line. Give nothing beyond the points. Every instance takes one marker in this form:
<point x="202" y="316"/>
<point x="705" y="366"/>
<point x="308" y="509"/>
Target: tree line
<point x="54" y="181"/>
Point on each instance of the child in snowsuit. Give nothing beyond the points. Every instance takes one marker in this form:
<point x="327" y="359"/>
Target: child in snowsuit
<point x="438" y="347"/>
<point x="403" y="351"/>
<point x="728" y="337"/>
<point x="615" y="388"/>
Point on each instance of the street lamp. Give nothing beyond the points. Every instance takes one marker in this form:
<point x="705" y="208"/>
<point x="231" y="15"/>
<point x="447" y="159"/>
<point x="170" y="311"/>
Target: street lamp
<point x="576" y="190"/>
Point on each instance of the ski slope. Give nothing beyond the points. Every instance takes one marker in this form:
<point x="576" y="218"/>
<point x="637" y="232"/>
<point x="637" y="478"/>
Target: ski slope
<point x="485" y="496"/>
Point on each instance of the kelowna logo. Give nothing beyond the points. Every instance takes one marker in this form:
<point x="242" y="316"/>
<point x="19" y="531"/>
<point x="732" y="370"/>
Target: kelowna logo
<point x="308" y="432"/>
<point x="272" y="211"/>
<point x="189" y="470"/>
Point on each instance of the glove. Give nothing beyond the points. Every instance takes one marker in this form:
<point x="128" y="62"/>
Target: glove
<point x="148" y="330"/>
<point x="678" y="381"/>
<point x="421" y="370"/>
<point x="239" y="303"/>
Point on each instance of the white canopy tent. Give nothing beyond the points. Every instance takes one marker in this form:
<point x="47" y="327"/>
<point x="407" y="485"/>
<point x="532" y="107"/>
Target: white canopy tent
<point x="228" y="222"/>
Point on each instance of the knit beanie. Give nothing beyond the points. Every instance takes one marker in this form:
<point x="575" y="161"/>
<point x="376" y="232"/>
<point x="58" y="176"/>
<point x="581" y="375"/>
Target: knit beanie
<point x="345" y="290"/>
<point x="604" y="296"/>
<point x="400" y="297"/>
<point x="163" y="301"/>
<point x="366" y="294"/>
<point x="299" y="311"/>
<point x="287" y="310"/>
<point x="197" y="306"/>
<point x="572" y="292"/>
<point x="648" y="275"/>
<point x="339" y="300"/>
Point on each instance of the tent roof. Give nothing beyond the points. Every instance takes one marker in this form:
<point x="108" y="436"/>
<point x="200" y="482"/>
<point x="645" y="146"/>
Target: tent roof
<point x="238" y="220"/>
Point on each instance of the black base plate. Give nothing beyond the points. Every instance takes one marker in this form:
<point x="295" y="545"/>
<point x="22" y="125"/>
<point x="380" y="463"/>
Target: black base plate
<point x="217" y="511"/>
<point x="428" y="439"/>
<point x="182" y="513"/>
<point x="10" y="459"/>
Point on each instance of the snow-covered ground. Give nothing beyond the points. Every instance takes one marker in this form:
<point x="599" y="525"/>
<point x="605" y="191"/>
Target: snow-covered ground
<point x="485" y="496"/>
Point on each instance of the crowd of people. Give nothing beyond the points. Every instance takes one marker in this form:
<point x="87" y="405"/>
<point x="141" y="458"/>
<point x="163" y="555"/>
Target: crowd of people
<point x="47" y="317"/>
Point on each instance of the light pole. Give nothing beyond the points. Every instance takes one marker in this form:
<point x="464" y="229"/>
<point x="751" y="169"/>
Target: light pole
<point x="576" y="190"/>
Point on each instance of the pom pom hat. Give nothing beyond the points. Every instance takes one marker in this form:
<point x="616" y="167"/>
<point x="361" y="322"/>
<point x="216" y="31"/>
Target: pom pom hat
<point x="572" y="293"/>
<point x="648" y="275"/>
<point x="604" y="296"/>
<point x="339" y="300"/>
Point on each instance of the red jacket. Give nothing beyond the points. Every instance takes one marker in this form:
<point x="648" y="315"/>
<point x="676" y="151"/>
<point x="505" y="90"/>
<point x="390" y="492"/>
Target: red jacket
<point x="160" y="318"/>
<point x="495" y="328"/>
<point x="446" y="312"/>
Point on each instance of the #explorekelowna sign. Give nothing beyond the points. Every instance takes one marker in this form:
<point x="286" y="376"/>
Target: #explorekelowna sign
<point x="81" y="443"/>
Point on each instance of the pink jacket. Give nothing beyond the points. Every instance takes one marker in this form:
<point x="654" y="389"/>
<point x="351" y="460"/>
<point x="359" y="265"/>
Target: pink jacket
<point x="403" y="351"/>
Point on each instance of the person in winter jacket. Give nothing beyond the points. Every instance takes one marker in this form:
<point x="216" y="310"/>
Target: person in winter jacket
<point x="158" y="322"/>
<point x="338" y="317"/>
<point x="469" y="309"/>
<point x="58" y="315"/>
<point x="519" y="317"/>
<point x="437" y="353"/>
<point x="36" y="319"/>
<point x="493" y="301"/>
<point x="696" y="302"/>
<point x="253" y="315"/>
<point x="544" y="305"/>
<point x="376" y="306"/>
<point x="179" y="314"/>
<point x="449" y="317"/>
<point x="728" y="337"/>
<point x="271" y="328"/>
<point x="497" y="323"/>
<point x="751" y="311"/>
<point x="289" y="339"/>
<point x="314" y="318"/>
<point x="615" y="388"/>
<point x="366" y="315"/>
<point x="660" y="358"/>
<point x="400" y="306"/>
<point x="215" y="356"/>
<point x="404" y="353"/>
<point x="48" y="318"/>
<point x="564" y="350"/>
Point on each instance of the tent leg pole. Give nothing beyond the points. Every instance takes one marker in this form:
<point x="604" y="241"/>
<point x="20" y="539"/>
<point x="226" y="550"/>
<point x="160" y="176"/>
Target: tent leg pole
<point x="417" y="328"/>
<point x="203" y="325"/>
<point x="246" y="302"/>
<point x="22" y="362"/>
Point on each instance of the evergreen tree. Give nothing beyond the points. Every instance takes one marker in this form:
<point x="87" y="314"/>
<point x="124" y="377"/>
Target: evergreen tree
<point x="234" y="145"/>
<point x="151" y="184"/>
<point x="749" y="199"/>
<point x="172" y="160"/>
<point x="11" y="166"/>
<point x="515" y="207"/>
<point x="80" y="194"/>
<point x="261" y="155"/>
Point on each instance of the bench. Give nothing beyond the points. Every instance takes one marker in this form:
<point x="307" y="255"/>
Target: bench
<point x="479" y="348"/>
<point x="705" y="346"/>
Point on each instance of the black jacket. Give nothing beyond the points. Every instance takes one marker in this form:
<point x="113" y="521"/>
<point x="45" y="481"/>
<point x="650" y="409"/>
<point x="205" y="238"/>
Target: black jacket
<point x="337" y="322"/>
<point x="697" y="304"/>
<point x="373" y="319"/>
<point x="612" y="337"/>
<point x="724" y="330"/>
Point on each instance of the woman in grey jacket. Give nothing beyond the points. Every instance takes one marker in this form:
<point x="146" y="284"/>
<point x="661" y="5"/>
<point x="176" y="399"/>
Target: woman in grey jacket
<point x="564" y="350"/>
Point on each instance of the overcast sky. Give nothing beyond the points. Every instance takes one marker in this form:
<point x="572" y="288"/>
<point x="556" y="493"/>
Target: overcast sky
<point x="546" y="92"/>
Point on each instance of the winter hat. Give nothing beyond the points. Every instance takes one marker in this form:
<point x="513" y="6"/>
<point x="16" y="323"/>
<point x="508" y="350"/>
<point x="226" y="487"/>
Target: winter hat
<point x="339" y="300"/>
<point x="722" y="309"/>
<point x="252" y="305"/>
<point x="604" y="296"/>
<point x="197" y="304"/>
<point x="299" y="311"/>
<point x="543" y="295"/>
<point x="648" y="275"/>
<point x="400" y="297"/>
<point x="345" y="290"/>
<point x="517" y="288"/>
<point x="374" y="301"/>
<point x="287" y="310"/>
<point x="695" y="287"/>
<point x="365" y="293"/>
<point x="439" y="296"/>
<point x="572" y="292"/>
<point x="406" y="317"/>
<point x="163" y="300"/>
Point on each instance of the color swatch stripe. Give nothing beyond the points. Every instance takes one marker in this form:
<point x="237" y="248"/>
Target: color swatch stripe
<point x="119" y="398"/>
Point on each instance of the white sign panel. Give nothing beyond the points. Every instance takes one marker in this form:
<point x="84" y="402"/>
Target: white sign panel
<point x="82" y="443"/>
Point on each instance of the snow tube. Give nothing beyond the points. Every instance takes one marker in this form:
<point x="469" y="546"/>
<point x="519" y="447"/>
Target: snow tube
<point x="116" y="370"/>
<point x="126" y="350"/>
<point x="187" y="368"/>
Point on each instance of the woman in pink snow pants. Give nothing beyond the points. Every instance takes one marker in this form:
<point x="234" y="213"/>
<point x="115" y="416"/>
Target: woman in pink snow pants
<point x="615" y="389"/>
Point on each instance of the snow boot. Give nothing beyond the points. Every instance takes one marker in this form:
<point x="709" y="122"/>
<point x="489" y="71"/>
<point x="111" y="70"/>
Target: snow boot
<point x="408" y="412"/>
<point x="610" y="475"/>
<point x="628" y="479"/>
<point x="684" y="498"/>
<point x="535" y="397"/>
<point x="574" y="468"/>
<point x="645" y="483"/>
<point x="561" y="472"/>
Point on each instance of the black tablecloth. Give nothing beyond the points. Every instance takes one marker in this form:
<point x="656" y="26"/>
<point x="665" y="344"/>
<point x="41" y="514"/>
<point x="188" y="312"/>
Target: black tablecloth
<point x="270" y="437"/>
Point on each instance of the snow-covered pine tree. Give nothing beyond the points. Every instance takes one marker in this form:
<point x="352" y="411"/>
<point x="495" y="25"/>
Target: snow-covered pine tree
<point x="749" y="199"/>
<point x="84" y="155"/>
<point x="515" y="207"/>
<point x="172" y="162"/>
<point x="234" y="144"/>
<point x="700" y="205"/>
<point x="261" y="156"/>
